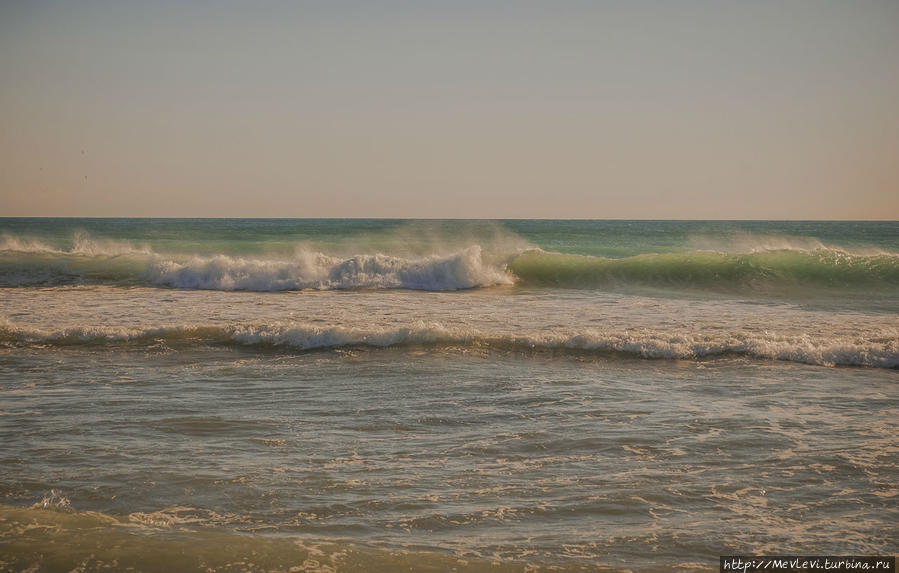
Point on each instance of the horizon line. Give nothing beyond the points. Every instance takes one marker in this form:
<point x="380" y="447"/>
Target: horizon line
<point x="188" y="217"/>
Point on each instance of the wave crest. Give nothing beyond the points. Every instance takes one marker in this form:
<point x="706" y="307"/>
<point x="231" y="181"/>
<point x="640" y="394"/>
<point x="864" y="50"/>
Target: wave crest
<point x="24" y="263"/>
<point x="712" y="270"/>
<point x="461" y="270"/>
<point x="82" y="244"/>
<point x="881" y="350"/>
<point x="772" y="266"/>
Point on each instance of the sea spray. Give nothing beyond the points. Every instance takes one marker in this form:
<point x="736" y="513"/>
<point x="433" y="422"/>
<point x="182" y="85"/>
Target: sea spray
<point x="35" y="264"/>
<point x="38" y="267"/>
<point x="629" y="382"/>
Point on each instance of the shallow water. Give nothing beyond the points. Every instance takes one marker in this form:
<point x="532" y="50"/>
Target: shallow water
<point x="639" y="421"/>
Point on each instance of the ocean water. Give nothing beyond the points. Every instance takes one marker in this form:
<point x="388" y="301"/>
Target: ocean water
<point x="386" y="395"/>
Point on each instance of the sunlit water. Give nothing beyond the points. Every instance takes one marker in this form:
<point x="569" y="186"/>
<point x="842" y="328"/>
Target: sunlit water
<point x="385" y="395"/>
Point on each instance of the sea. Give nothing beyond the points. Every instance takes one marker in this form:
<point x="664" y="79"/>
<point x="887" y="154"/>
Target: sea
<point x="382" y="395"/>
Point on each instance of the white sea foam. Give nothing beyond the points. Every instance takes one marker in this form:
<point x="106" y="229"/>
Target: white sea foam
<point x="464" y="269"/>
<point x="31" y="262"/>
<point x="880" y="351"/>
<point x="772" y="262"/>
<point x="16" y="244"/>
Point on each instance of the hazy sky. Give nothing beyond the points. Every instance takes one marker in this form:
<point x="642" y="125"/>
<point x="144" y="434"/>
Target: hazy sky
<point x="630" y="109"/>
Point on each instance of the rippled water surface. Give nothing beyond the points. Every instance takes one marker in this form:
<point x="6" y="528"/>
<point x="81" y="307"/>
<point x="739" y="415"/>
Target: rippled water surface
<point x="298" y="401"/>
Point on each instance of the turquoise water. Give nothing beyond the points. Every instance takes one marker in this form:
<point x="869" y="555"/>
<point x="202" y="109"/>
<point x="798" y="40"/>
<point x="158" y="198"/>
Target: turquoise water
<point x="270" y="255"/>
<point x="376" y="395"/>
<point x="599" y="238"/>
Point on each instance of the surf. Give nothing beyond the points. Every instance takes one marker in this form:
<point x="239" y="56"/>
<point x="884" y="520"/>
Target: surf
<point x="187" y="539"/>
<point x="878" y="350"/>
<point x="432" y="257"/>
<point x="30" y="265"/>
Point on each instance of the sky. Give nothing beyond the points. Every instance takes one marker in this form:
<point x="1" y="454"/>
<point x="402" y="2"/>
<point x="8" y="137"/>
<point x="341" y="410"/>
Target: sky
<point x="470" y="109"/>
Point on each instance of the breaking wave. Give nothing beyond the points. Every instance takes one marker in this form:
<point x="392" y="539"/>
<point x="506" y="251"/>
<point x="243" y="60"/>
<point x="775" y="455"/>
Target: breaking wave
<point x="461" y="270"/>
<point x="763" y="267"/>
<point x="32" y="264"/>
<point x="880" y="350"/>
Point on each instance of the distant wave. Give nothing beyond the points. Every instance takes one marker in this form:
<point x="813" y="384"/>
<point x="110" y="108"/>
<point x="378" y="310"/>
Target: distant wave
<point x="82" y="244"/>
<point x="775" y="266"/>
<point x="880" y="350"/>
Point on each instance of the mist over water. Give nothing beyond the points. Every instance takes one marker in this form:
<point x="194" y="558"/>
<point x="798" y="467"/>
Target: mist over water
<point x="376" y="395"/>
<point x="444" y="255"/>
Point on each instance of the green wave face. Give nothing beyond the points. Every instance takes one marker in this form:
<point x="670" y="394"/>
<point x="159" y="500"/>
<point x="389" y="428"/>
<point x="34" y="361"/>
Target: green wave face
<point x="710" y="270"/>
